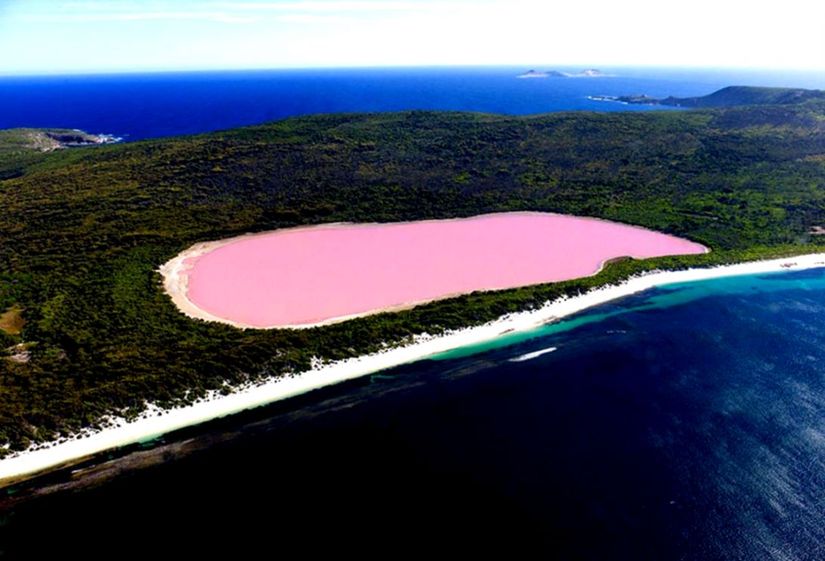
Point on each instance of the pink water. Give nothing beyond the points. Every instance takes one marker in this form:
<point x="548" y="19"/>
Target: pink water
<point x="310" y="275"/>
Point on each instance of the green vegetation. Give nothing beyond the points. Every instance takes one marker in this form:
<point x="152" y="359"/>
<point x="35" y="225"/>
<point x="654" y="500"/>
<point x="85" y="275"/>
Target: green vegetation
<point x="748" y="95"/>
<point x="20" y="147"/>
<point x="83" y="231"/>
<point x="733" y="96"/>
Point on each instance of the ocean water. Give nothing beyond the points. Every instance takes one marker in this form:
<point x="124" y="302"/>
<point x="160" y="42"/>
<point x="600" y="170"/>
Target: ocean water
<point x="686" y="422"/>
<point x="138" y="106"/>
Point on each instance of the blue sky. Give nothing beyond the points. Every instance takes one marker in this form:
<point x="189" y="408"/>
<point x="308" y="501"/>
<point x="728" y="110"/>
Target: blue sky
<point x="67" y="36"/>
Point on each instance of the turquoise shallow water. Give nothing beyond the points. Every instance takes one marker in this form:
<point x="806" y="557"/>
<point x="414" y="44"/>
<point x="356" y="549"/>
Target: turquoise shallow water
<point x="686" y="422"/>
<point x="663" y="297"/>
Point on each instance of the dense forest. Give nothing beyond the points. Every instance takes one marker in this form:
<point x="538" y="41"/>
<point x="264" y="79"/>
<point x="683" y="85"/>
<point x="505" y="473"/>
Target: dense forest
<point x="86" y="330"/>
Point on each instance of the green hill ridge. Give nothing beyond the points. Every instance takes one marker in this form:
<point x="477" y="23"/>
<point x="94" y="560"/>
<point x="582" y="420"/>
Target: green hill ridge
<point x="731" y="96"/>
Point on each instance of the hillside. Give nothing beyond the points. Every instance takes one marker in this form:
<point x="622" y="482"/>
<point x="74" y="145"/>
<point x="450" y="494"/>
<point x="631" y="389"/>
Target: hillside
<point x="732" y="96"/>
<point x="21" y="146"/>
<point x="747" y="95"/>
<point x="84" y="231"/>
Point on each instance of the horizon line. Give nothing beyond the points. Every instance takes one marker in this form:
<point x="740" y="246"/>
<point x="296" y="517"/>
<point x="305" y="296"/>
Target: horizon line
<point x="528" y="66"/>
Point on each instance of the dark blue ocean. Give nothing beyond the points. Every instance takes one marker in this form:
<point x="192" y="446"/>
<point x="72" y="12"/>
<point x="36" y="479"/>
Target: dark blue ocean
<point x="138" y="106"/>
<point x="684" y="423"/>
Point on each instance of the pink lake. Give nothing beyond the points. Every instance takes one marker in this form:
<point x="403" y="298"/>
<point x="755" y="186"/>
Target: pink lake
<point x="309" y="275"/>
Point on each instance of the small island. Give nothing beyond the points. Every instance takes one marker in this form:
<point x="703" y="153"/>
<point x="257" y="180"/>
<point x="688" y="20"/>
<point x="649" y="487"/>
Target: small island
<point x="587" y="73"/>
<point x="590" y="73"/>
<point x="541" y="74"/>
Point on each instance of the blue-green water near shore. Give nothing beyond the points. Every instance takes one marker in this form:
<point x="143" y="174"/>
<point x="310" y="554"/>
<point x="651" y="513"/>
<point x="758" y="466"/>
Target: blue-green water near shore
<point x="665" y="296"/>
<point x="686" y="422"/>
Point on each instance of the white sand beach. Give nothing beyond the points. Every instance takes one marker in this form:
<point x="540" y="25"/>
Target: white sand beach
<point x="156" y="422"/>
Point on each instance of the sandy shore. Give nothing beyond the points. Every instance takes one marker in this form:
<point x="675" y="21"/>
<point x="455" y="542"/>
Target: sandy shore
<point x="156" y="422"/>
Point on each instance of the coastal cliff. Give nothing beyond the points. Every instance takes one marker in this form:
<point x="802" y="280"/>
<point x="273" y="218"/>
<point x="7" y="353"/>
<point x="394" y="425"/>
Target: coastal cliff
<point x="47" y="140"/>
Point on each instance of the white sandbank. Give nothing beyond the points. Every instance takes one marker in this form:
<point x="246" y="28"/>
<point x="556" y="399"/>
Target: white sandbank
<point x="154" y="424"/>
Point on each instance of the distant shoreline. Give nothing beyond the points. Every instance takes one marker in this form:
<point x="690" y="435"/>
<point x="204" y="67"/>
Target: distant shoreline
<point x="155" y="422"/>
